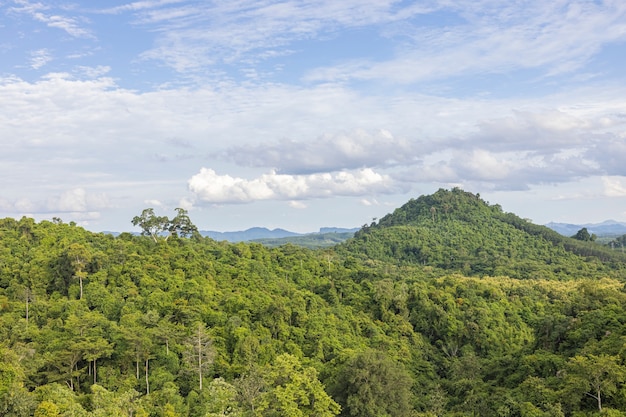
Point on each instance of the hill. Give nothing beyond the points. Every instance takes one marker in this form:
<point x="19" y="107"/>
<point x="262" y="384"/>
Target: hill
<point x="458" y="231"/>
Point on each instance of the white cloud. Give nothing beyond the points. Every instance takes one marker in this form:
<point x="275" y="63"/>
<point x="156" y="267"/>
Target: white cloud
<point x="297" y="205"/>
<point x="77" y="200"/>
<point x="139" y="5"/>
<point x="153" y="203"/>
<point x="74" y="204"/>
<point x="328" y="153"/>
<point x="614" y="186"/>
<point x="558" y="37"/>
<point x="369" y="202"/>
<point x="193" y="37"/>
<point x="210" y="187"/>
<point x="39" y="58"/>
<point x="40" y="12"/>
<point x="23" y="205"/>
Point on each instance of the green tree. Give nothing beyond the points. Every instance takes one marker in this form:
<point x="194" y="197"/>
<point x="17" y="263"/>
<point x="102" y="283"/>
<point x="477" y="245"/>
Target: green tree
<point x="151" y="224"/>
<point x="597" y="377"/>
<point x="181" y="225"/>
<point x="373" y="385"/>
<point x="295" y="391"/>
<point x="15" y="400"/>
<point x="154" y="226"/>
<point x="584" y="235"/>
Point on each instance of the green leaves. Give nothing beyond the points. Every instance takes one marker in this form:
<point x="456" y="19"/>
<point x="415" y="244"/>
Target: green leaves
<point x="294" y="391"/>
<point x="156" y="226"/>
<point x="371" y="384"/>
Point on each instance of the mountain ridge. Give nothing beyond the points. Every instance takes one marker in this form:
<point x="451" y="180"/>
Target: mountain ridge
<point x="607" y="228"/>
<point x="257" y="233"/>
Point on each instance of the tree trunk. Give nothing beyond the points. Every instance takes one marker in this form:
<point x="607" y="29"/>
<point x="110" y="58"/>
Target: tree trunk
<point x="200" y="358"/>
<point x="147" y="382"/>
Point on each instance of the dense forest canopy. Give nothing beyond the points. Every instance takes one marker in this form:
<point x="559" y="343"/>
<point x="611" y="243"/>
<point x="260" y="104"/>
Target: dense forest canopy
<point x="445" y="307"/>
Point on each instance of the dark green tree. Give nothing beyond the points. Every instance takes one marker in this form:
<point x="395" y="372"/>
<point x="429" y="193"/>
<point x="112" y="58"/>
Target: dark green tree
<point x="181" y="224"/>
<point x="584" y="235"/>
<point x="373" y="385"/>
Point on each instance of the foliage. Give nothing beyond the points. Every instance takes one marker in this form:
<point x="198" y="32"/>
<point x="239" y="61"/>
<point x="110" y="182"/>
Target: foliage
<point x="155" y="226"/>
<point x="457" y="311"/>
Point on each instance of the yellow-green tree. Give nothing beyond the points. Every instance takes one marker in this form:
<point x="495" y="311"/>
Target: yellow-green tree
<point x="295" y="391"/>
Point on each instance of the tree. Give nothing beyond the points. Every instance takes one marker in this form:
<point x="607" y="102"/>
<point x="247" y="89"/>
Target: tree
<point x="595" y="376"/>
<point x="583" y="234"/>
<point x="249" y="388"/>
<point x="155" y="226"/>
<point x="199" y="352"/>
<point x="79" y="256"/>
<point x="15" y="399"/>
<point x="373" y="385"/>
<point x="181" y="225"/>
<point x="151" y="224"/>
<point x="295" y="391"/>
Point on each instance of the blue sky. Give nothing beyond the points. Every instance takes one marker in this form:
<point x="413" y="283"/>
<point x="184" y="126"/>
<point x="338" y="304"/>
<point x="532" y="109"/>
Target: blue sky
<point x="304" y="114"/>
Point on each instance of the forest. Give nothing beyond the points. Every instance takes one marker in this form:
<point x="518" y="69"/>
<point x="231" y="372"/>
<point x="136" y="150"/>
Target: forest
<point x="446" y="307"/>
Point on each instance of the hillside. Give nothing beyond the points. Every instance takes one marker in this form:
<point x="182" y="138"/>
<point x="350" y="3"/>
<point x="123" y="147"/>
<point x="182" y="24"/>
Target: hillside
<point x="96" y="325"/>
<point x="457" y="231"/>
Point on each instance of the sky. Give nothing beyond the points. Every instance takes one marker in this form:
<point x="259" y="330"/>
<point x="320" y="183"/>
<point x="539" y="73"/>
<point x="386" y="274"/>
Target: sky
<point x="301" y="114"/>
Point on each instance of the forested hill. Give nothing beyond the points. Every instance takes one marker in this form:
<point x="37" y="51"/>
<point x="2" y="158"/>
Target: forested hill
<point x="454" y="230"/>
<point x="179" y="325"/>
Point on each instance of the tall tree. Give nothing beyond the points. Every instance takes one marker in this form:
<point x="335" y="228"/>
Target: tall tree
<point x="199" y="352"/>
<point x="151" y="224"/>
<point x="181" y="225"/>
<point x="79" y="256"/>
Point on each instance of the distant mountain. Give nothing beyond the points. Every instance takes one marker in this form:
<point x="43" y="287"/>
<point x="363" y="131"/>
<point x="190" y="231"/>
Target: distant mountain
<point x="338" y="230"/>
<point x="262" y="234"/>
<point x="249" y="234"/>
<point x="310" y="240"/>
<point x="608" y="228"/>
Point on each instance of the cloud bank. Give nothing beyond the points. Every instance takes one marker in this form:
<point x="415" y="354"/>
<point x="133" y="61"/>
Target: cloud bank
<point x="209" y="187"/>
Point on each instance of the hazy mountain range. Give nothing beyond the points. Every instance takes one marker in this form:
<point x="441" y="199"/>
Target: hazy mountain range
<point x="606" y="228"/>
<point x="256" y="233"/>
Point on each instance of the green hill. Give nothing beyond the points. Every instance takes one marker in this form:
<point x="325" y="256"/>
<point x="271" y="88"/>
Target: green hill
<point x="457" y="231"/>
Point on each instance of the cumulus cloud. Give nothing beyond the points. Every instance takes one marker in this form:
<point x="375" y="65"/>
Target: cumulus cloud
<point x="75" y="204"/>
<point x="328" y="153"/>
<point x="77" y="200"/>
<point x="210" y="187"/>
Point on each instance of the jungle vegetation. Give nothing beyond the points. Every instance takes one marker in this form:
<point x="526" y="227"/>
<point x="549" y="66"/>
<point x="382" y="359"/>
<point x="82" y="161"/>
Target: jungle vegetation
<point x="446" y="307"/>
